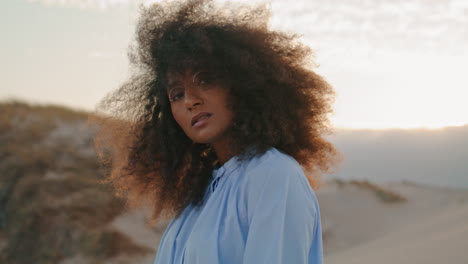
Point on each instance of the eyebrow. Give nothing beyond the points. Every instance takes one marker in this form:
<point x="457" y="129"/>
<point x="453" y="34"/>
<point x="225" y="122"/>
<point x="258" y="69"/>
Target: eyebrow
<point x="172" y="83"/>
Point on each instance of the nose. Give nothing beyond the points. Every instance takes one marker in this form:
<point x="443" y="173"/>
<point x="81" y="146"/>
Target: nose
<point x="192" y="97"/>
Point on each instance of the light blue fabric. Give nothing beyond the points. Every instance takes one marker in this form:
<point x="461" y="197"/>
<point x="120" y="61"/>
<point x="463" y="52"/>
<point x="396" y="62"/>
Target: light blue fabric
<point x="257" y="211"/>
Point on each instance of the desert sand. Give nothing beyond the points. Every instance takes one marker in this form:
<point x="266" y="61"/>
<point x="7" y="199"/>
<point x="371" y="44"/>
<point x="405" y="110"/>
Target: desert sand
<point x="429" y="226"/>
<point x="441" y="238"/>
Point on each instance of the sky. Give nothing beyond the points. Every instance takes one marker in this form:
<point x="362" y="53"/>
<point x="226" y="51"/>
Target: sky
<point x="433" y="157"/>
<point x="392" y="63"/>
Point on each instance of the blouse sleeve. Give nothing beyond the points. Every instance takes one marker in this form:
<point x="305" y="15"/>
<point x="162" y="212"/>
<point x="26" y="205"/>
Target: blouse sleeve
<point x="283" y="216"/>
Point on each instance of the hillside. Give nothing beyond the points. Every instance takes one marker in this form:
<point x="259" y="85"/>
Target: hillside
<point x="52" y="206"/>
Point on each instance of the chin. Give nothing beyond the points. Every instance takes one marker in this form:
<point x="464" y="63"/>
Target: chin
<point x="205" y="139"/>
<point x="202" y="141"/>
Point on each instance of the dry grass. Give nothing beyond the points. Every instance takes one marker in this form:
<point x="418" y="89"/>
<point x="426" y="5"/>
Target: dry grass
<point x="52" y="205"/>
<point x="386" y="196"/>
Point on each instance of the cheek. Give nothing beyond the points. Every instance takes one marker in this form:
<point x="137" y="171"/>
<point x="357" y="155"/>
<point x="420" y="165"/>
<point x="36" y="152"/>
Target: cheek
<point x="176" y="113"/>
<point x="229" y="107"/>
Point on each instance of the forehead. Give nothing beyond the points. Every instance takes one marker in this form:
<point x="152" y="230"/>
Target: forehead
<point x="176" y="77"/>
<point x="179" y="68"/>
<point x="176" y="74"/>
<point x="173" y="75"/>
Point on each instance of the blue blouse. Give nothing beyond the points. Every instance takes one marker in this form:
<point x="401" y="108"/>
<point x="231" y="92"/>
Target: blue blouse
<point x="255" y="211"/>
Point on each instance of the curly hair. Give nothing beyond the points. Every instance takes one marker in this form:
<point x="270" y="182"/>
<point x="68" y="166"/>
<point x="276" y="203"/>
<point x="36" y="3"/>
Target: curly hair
<point x="279" y="101"/>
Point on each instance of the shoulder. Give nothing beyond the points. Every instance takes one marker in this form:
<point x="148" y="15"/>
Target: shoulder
<point x="276" y="172"/>
<point x="271" y="161"/>
<point x="271" y="165"/>
<point x="273" y="179"/>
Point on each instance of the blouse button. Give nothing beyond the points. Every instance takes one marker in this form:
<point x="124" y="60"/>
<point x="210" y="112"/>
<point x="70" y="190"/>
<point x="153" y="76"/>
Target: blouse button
<point x="214" y="184"/>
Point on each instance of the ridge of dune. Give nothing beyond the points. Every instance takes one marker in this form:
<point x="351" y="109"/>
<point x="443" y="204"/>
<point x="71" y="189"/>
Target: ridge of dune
<point x="440" y="238"/>
<point x="353" y="215"/>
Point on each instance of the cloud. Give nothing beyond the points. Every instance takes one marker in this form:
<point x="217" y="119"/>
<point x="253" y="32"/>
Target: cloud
<point x="89" y="4"/>
<point x="106" y="4"/>
<point x="341" y="28"/>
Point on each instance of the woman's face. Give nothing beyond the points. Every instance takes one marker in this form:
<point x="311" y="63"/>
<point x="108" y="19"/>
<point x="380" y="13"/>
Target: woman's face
<point x="200" y="104"/>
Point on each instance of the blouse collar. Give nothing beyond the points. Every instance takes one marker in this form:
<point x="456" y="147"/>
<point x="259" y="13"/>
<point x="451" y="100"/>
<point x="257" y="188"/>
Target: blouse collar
<point x="228" y="167"/>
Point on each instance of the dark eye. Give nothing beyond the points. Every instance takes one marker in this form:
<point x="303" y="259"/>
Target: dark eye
<point x="176" y="94"/>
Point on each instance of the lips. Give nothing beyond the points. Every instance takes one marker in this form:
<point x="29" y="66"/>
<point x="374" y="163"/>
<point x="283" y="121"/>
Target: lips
<point x="199" y="117"/>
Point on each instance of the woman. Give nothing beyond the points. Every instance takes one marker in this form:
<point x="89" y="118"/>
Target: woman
<point x="221" y="127"/>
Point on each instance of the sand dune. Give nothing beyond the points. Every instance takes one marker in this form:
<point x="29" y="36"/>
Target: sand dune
<point x="429" y="226"/>
<point x="442" y="238"/>
<point x="353" y="214"/>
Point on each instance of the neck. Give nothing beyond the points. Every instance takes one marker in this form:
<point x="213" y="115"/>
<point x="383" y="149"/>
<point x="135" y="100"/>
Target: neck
<point x="223" y="151"/>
